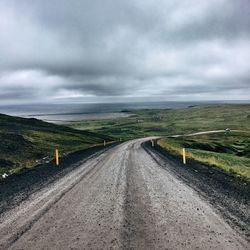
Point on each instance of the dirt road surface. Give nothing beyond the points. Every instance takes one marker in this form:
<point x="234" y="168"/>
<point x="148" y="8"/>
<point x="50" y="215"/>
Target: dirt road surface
<point x="209" y="132"/>
<point x="121" y="199"/>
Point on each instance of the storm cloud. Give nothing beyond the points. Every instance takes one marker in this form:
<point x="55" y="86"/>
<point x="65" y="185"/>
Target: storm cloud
<point x="115" y="50"/>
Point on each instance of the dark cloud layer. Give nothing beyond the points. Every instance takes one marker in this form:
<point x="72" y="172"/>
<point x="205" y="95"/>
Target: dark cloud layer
<point x="93" y="50"/>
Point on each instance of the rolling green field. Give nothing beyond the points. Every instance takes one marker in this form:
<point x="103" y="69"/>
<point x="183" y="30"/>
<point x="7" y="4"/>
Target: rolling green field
<point x="229" y="152"/>
<point x="171" y="121"/>
<point x="27" y="142"/>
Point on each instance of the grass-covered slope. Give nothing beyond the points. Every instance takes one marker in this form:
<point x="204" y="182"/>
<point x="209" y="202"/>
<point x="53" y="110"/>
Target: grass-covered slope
<point x="27" y="142"/>
<point x="227" y="151"/>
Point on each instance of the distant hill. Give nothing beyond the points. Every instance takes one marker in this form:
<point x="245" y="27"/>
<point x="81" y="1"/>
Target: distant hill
<point x="27" y="142"/>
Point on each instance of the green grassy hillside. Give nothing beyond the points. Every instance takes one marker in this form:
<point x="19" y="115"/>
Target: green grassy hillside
<point x="228" y="151"/>
<point x="27" y="142"/>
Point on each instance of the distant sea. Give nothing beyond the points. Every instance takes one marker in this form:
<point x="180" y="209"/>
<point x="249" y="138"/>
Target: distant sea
<point x="60" y="113"/>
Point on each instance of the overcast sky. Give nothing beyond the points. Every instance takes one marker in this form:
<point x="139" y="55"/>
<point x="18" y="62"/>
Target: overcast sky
<point x="113" y="50"/>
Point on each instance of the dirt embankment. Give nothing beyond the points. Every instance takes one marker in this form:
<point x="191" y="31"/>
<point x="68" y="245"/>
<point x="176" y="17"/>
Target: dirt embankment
<point x="19" y="187"/>
<point x="228" y="194"/>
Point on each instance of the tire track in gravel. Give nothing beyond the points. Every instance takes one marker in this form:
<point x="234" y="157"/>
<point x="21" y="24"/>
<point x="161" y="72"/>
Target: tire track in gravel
<point x="136" y="233"/>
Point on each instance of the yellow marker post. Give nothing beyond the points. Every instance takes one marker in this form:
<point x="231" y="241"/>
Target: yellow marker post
<point x="184" y="155"/>
<point x="57" y="157"/>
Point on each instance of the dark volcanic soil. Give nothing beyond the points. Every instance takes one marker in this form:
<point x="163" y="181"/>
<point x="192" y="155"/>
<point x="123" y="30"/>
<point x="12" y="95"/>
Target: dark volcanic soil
<point x="19" y="187"/>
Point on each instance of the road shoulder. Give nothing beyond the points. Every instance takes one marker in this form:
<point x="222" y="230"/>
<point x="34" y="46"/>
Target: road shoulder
<point x="228" y="195"/>
<point x="17" y="188"/>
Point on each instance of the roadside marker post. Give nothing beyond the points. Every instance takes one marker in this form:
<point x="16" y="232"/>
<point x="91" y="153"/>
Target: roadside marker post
<point x="184" y="155"/>
<point x="153" y="143"/>
<point x="57" y="157"/>
<point x="104" y="143"/>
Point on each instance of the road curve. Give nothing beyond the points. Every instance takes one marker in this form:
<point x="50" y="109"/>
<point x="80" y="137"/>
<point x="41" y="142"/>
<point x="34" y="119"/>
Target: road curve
<point x="121" y="199"/>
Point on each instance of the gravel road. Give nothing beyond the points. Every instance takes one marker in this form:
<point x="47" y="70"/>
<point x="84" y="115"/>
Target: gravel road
<point x="209" y="132"/>
<point x="121" y="199"/>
